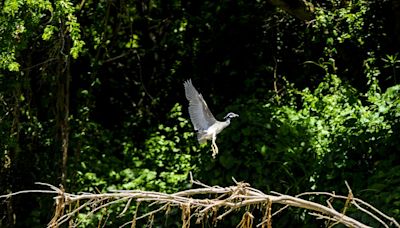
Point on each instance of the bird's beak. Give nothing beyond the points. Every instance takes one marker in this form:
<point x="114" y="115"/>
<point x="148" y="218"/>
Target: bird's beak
<point x="233" y="115"/>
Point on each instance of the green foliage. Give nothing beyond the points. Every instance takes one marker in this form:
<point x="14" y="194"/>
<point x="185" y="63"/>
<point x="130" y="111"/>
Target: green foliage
<point x="315" y="138"/>
<point x="318" y="101"/>
<point x="22" y="22"/>
<point x="163" y="164"/>
<point x="133" y="42"/>
<point x="331" y="134"/>
<point x="65" y="10"/>
<point x="392" y="62"/>
<point x="48" y="32"/>
<point x="18" y="20"/>
<point x="345" y="23"/>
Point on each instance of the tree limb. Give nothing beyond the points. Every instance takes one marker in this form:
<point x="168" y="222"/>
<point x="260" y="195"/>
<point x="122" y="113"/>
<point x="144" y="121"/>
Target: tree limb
<point x="193" y="204"/>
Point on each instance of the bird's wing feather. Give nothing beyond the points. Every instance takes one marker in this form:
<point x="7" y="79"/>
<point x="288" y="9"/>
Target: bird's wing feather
<point x="200" y="114"/>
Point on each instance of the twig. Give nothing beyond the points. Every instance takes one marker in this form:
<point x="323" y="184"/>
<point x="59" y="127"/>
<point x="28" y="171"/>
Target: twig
<point x="370" y="214"/>
<point x="354" y="201"/>
<point x="125" y="208"/>
<point x="28" y="191"/>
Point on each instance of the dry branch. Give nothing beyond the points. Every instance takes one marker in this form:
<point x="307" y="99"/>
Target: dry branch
<point x="193" y="204"/>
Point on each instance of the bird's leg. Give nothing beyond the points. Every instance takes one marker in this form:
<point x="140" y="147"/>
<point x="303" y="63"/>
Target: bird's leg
<point x="214" y="146"/>
<point x="214" y="149"/>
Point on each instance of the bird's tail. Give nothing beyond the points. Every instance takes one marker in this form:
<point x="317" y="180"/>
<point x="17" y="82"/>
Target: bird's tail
<point x="201" y="137"/>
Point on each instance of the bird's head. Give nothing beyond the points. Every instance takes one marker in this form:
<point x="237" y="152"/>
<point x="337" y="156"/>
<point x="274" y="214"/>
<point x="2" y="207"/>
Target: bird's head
<point x="231" y="115"/>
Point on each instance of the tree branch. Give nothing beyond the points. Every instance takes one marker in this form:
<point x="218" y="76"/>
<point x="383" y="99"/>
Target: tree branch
<point x="193" y="204"/>
<point x="301" y="9"/>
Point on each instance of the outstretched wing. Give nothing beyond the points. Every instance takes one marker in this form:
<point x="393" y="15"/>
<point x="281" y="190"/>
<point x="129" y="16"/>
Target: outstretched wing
<point x="200" y="115"/>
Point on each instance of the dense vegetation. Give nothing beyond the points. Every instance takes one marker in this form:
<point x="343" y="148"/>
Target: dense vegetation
<point x="91" y="97"/>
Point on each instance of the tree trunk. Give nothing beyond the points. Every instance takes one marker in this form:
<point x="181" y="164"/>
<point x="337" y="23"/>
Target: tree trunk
<point x="301" y="9"/>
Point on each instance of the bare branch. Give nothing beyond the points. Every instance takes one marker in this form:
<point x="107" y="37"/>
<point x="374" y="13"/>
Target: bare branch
<point x="193" y="204"/>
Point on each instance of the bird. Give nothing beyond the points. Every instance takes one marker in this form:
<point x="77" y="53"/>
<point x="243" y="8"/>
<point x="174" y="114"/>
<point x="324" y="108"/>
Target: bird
<point x="204" y="122"/>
